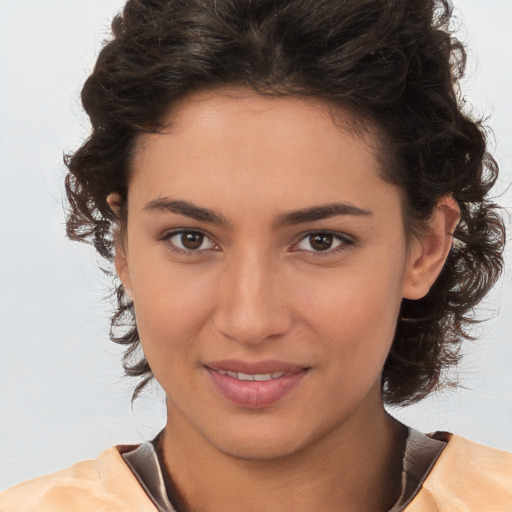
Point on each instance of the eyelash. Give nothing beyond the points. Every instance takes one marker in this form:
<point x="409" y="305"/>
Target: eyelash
<point x="344" y="242"/>
<point x="167" y="237"/>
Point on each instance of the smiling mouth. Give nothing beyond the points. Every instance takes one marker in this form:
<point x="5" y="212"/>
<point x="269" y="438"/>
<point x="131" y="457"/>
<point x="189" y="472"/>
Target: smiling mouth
<point x="256" y="390"/>
<point x="258" y="377"/>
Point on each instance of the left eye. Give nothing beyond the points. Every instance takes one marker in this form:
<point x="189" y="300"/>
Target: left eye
<point x="321" y="242"/>
<point x="190" y="241"/>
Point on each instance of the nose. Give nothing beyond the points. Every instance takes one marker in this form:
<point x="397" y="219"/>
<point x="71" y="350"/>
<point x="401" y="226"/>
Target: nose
<point x="252" y="303"/>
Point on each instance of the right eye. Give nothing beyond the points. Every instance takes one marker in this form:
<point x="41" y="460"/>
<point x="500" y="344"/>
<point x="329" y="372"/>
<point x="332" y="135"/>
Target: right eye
<point x="190" y="242"/>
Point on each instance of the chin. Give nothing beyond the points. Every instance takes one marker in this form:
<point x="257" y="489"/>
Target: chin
<point x="259" y="449"/>
<point x="263" y="442"/>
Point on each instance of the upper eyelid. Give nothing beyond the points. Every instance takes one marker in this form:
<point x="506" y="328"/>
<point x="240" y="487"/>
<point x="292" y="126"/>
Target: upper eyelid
<point x="347" y="242"/>
<point x="176" y="231"/>
<point x="168" y="234"/>
<point x="337" y="234"/>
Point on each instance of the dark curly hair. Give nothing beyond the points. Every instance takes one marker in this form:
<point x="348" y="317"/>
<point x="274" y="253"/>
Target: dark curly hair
<point x="392" y="63"/>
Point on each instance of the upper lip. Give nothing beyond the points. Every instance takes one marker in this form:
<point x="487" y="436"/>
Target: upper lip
<point x="255" y="367"/>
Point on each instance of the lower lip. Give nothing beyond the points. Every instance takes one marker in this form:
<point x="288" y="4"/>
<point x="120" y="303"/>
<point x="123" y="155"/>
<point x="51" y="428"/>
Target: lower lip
<point x="255" y="394"/>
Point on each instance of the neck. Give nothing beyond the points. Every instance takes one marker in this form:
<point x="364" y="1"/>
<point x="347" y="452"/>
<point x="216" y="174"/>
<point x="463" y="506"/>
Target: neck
<point x="358" y="467"/>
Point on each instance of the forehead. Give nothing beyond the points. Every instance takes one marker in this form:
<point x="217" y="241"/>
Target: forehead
<point x="225" y="107"/>
<point x="207" y="104"/>
<point x="238" y="143"/>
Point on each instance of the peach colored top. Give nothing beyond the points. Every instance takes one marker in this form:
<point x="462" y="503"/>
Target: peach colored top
<point x="467" y="477"/>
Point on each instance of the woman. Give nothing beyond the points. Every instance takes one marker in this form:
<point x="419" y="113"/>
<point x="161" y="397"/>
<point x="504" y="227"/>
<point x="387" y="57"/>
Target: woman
<point x="297" y="210"/>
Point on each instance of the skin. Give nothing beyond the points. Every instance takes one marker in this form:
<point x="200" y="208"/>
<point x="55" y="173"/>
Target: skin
<point x="258" y="288"/>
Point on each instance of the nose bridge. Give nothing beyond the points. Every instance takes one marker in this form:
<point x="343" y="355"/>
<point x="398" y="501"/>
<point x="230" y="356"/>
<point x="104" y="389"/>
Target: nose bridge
<point x="250" y="307"/>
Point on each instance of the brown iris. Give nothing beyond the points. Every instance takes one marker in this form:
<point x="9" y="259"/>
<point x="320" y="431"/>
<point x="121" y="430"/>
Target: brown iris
<point x="321" y="242"/>
<point x="192" y="241"/>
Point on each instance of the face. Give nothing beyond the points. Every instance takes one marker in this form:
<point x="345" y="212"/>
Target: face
<point x="267" y="261"/>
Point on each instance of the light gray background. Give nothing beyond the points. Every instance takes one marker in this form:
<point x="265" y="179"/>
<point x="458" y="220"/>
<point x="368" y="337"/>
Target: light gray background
<point x="62" y="394"/>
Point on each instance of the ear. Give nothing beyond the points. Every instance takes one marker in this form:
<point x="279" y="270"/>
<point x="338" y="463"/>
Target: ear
<point x="120" y="257"/>
<point x="428" y="252"/>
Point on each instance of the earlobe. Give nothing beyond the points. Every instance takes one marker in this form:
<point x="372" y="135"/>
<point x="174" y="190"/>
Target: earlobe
<point x="120" y="259"/>
<point x="122" y="270"/>
<point x="429" y="250"/>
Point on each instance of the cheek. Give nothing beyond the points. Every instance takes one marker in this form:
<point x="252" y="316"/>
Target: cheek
<point x="355" y="312"/>
<point x="171" y="309"/>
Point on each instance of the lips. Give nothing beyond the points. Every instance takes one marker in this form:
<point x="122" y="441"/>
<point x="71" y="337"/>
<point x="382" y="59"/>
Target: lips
<point x="255" y="385"/>
<point x="254" y="367"/>
<point x="259" y="377"/>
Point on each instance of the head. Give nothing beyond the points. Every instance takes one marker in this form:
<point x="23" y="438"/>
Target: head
<point x="383" y="73"/>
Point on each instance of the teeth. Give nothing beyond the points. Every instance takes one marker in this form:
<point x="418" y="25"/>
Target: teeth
<point x="245" y="376"/>
<point x="262" y="376"/>
<point x="258" y="377"/>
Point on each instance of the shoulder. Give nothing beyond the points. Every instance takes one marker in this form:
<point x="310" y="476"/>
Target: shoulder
<point x="104" y="484"/>
<point x="467" y="477"/>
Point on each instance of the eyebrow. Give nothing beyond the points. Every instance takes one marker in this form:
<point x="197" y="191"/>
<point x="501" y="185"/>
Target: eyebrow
<point x="314" y="213"/>
<point x="321" y="212"/>
<point x="187" y="209"/>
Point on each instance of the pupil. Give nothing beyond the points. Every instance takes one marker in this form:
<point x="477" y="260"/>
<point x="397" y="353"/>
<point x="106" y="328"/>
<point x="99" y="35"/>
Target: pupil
<point x="321" y="242"/>
<point x="192" y="240"/>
